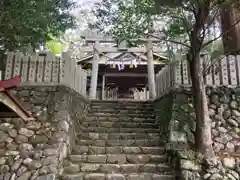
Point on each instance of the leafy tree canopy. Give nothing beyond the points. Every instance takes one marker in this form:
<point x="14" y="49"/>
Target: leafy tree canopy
<point x="173" y="20"/>
<point x="29" y="22"/>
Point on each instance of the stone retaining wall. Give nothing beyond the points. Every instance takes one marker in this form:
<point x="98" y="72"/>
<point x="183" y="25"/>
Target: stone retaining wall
<point x="35" y="150"/>
<point x="224" y="110"/>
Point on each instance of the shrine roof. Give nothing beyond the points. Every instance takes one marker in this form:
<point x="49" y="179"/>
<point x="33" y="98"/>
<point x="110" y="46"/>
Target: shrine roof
<point x="126" y="57"/>
<point x="9" y="105"/>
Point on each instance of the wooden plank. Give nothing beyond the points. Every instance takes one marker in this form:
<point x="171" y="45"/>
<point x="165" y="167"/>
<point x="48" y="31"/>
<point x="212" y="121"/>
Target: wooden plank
<point x="178" y="73"/>
<point x="25" y="68"/>
<point x="72" y="73"/>
<point x="172" y="74"/>
<point x="79" y="79"/>
<point x="56" y="69"/>
<point x="32" y="68"/>
<point x="48" y="67"/>
<point x="209" y="77"/>
<point x="9" y="65"/>
<point x="238" y="68"/>
<point x="62" y="68"/>
<point x="224" y="70"/>
<point x="40" y="68"/>
<point x="233" y="70"/>
<point x="216" y="73"/>
<point x="185" y="72"/>
<point x="17" y="64"/>
<point x="66" y="68"/>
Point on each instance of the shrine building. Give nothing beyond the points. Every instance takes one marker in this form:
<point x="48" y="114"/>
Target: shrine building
<point x="122" y="75"/>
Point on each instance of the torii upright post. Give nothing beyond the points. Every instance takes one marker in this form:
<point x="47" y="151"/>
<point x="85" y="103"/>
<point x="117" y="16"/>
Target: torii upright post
<point x="151" y="74"/>
<point x="94" y="79"/>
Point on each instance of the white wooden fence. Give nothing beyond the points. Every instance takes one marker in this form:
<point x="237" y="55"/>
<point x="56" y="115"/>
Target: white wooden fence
<point x="46" y="69"/>
<point x="221" y="72"/>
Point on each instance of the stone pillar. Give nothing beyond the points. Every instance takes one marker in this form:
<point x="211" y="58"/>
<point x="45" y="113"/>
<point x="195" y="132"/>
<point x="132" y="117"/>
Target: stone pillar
<point x="94" y="79"/>
<point x="151" y="74"/>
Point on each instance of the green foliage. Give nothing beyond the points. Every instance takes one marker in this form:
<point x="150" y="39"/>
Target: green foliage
<point x="106" y="13"/>
<point x="55" y="46"/>
<point x="29" y="22"/>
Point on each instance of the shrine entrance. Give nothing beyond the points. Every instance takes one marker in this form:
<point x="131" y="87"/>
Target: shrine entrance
<point x="121" y="71"/>
<point x="126" y="87"/>
<point x="123" y="77"/>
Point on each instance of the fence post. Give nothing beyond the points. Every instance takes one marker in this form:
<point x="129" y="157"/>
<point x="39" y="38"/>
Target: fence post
<point x="9" y="65"/>
<point x="48" y="67"/>
<point x="17" y="64"/>
<point x="40" y="69"/>
<point x="65" y="69"/>
<point x="32" y="67"/>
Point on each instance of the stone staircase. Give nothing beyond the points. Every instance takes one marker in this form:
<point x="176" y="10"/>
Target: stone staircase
<point x="118" y="141"/>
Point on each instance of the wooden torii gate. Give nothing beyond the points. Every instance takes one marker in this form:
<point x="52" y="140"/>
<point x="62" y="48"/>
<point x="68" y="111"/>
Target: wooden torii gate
<point x="97" y="39"/>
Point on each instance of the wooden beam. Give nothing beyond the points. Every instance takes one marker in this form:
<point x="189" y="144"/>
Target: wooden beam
<point x="112" y="40"/>
<point x="90" y="36"/>
<point x="125" y="75"/>
<point x="114" y="49"/>
<point x="7" y="100"/>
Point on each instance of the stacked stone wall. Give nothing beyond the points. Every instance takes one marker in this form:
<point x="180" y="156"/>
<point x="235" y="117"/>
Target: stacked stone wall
<point x="35" y="150"/>
<point x="224" y="110"/>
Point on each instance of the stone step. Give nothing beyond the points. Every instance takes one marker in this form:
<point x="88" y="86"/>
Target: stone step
<point x="114" y="176"/>
<point x="129" y="142"/>
<point x="117" y="150"/>
<point x="71" y="168"/>
<point x="119" y="158"/>
<point x="122" y="110"/>
<point x="119" y="102"/>
<point x="111" y="124"/>
<point x="121" y="119"/>
<point x="121" y="130"/>
<point x="122" y="115"/>
<point x="118" y="136"/>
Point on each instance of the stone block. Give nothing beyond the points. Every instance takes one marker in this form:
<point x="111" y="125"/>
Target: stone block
<point x="139" y="177"/>
<point x="96" y="158"/>
<point x="114" y="150"/>
<point x="110" y="168"/>
<point x="130" y="168"/>
<point x="95" y="176"/>
<point x="47" y="177"/>
<point x="89" y="167"/>
<point x="118" y="158"/>
<point x="138" y="159"/>
<point x="73" y="168"/>
<point x="115" y="177"/>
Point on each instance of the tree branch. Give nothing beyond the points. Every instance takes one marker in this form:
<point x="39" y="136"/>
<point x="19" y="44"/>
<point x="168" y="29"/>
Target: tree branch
<point x="169" y="40"/>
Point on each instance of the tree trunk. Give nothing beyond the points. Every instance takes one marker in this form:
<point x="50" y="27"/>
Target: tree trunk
<point x="203" y="141"/>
